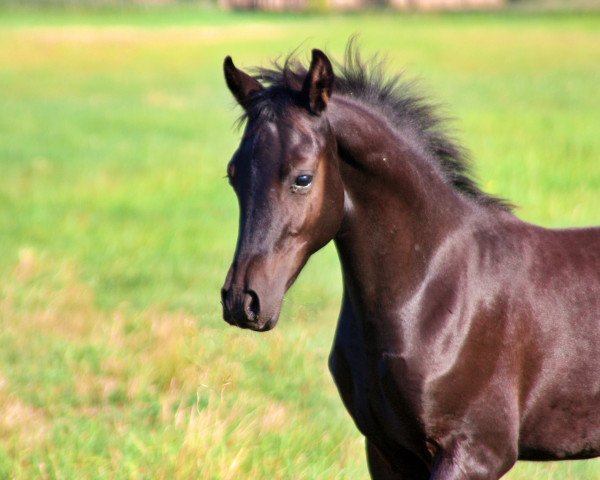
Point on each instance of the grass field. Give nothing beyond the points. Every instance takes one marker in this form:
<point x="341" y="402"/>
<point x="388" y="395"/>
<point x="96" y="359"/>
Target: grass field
<point x="117" y="228"/>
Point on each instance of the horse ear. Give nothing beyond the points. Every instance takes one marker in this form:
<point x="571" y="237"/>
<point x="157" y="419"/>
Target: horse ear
<point x="241" y="84"/>
<point x="318" y="82"/>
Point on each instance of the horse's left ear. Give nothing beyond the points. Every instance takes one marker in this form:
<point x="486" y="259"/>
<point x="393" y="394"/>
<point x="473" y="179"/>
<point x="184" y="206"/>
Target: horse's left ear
<point x="318" y="82"/>
<point x="241" y="84"/>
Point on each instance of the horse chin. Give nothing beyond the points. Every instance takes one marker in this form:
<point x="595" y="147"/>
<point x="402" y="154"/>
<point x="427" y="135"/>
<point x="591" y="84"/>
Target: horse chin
<point x="269" y="325"/>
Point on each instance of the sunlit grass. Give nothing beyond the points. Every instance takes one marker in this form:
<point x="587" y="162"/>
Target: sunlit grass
<point x="117" y="228"/>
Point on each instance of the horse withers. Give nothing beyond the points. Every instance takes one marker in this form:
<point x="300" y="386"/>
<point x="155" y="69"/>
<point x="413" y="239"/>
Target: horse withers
<point x="467" y="339"/>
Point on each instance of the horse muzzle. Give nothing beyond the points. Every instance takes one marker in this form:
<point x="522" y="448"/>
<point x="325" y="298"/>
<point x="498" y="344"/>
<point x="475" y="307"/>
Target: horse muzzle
<point x="242" y="308"/>
<point x="254" y="288"/>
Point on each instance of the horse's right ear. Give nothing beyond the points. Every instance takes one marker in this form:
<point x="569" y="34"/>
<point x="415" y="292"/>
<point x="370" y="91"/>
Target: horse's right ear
<point x="241" y="84"/>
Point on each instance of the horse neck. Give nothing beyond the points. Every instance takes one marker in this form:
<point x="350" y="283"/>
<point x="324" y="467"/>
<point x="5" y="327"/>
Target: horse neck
<point x="398" y="207"/>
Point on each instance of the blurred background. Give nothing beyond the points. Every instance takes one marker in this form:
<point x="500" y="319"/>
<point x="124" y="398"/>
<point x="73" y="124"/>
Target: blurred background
<point x="117" y="225"/>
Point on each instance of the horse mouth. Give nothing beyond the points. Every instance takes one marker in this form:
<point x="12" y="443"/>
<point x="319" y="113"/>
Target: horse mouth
<point x="255" y="325"/>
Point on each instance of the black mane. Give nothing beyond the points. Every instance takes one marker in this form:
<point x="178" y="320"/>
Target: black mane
<point x="367" y="81"/>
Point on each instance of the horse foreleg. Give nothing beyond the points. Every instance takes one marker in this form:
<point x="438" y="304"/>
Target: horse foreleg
<point x="463" y="463"/>
<point x="404" y="465"/>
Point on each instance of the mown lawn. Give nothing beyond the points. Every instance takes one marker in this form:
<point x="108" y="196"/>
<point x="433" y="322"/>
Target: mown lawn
<point x="117" y="228"/>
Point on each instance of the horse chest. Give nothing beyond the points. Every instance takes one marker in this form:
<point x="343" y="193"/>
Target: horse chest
<point x="360" y="378"/>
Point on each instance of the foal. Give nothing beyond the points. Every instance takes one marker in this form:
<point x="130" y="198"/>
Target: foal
<point x="467" y="338"/>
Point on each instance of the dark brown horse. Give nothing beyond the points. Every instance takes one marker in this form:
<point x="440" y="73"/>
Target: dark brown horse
<point x="467" y="338"/>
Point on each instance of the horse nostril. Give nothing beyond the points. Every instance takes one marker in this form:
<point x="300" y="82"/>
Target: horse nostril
<point x="223" y="296"/>
<point x="252" y="305"/>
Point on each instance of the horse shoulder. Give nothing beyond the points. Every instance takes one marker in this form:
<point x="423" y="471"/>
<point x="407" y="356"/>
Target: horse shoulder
<point x="457" y="331"/>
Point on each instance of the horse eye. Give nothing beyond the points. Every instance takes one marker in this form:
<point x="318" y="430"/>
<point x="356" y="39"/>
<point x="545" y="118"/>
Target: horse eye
<point x="303" y="181"/>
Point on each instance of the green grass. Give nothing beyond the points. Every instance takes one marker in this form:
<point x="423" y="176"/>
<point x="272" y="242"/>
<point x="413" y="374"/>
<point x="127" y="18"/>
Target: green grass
<point x="117" y="228"/>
